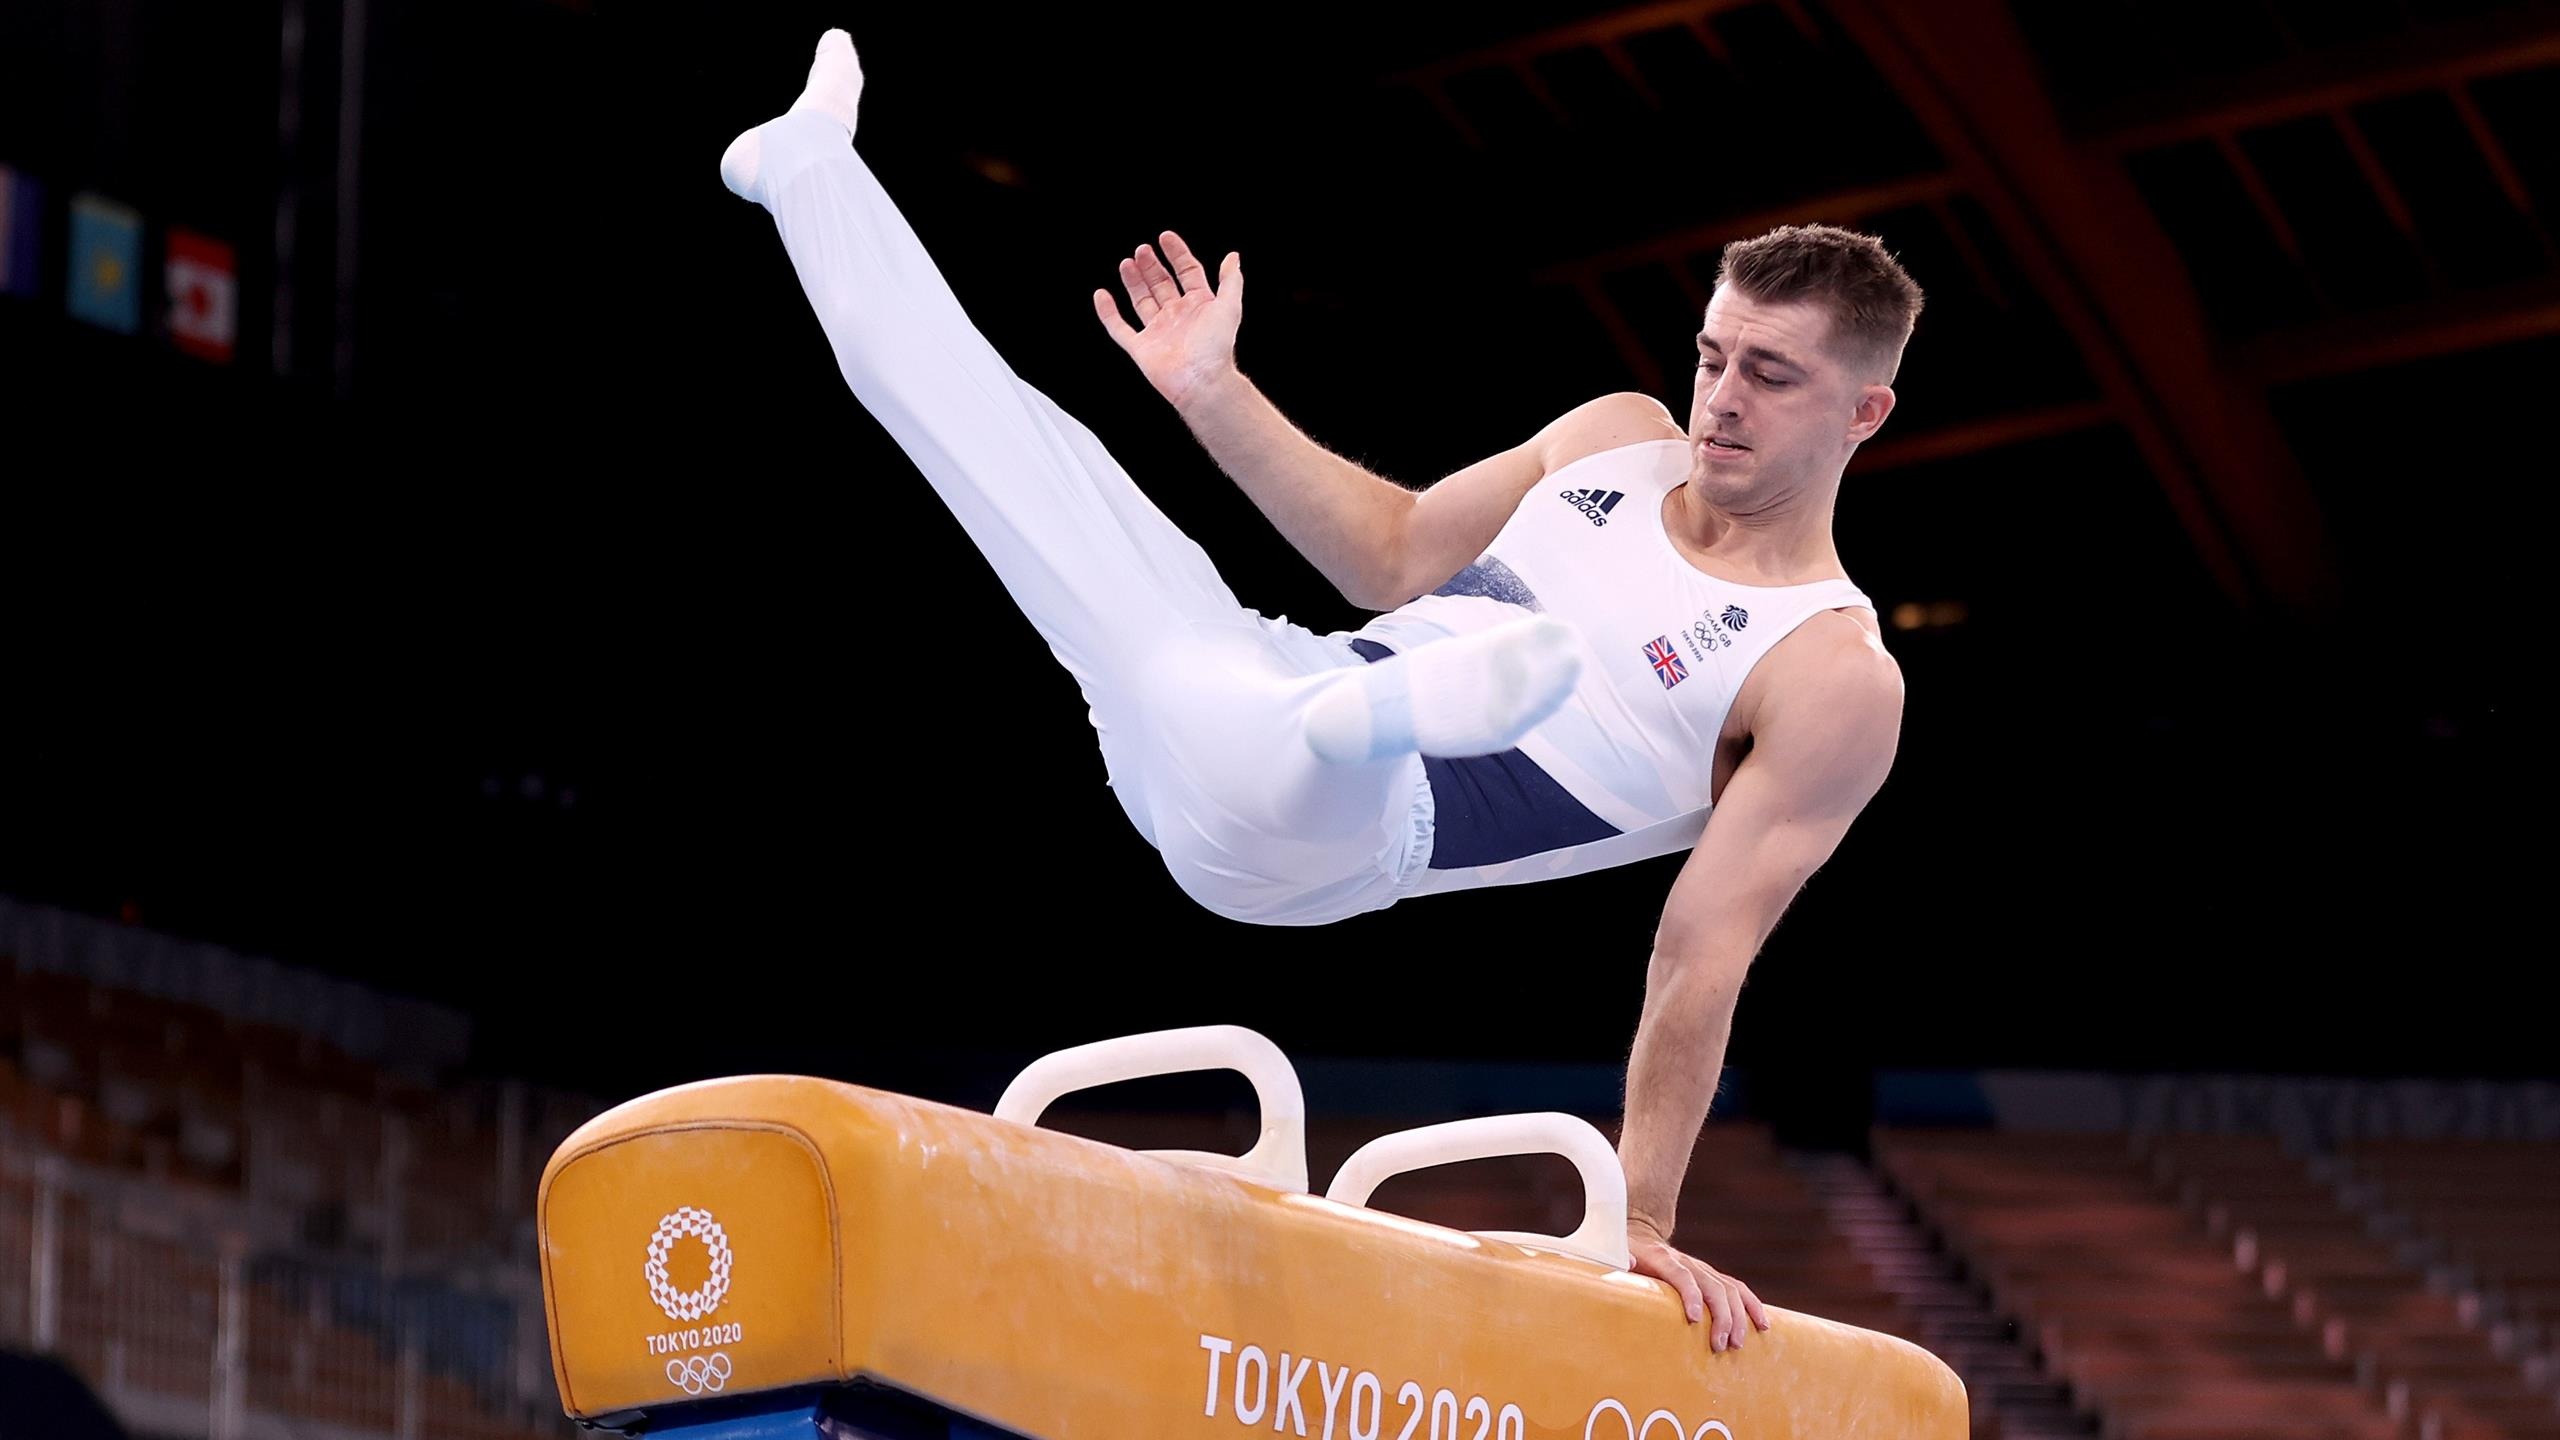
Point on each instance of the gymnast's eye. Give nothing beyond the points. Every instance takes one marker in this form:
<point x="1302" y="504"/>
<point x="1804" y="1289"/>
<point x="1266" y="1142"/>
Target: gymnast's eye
<point x="1773" y="382"/>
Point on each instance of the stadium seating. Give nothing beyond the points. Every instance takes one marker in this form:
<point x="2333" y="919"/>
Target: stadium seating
<point x="2191" y="1287"/>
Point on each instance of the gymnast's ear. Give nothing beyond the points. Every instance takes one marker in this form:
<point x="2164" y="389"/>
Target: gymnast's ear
<point x="1874" y="403"/>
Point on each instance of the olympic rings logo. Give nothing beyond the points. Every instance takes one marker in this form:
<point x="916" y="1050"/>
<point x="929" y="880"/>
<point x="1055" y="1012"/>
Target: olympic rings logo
<point x="688" y="1304"/>
<point x="699" y="1373"/>
<point x="1645" y="1431"/>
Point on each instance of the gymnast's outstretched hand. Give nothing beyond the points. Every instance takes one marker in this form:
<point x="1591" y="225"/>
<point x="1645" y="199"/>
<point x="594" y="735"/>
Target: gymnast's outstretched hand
<point x="1704" y="1290"/>
<point x="1186" y="331"/>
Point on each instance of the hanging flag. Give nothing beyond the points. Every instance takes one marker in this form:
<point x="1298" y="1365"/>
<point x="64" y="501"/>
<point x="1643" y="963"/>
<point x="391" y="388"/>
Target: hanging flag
<point x="106" y="264"/>
<point x="203" y="295"/>
<point x="21" y="232"/>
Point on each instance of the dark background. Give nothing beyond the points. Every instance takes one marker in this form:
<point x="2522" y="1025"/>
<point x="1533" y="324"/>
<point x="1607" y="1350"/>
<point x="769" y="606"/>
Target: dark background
<point x="543" y="628"/>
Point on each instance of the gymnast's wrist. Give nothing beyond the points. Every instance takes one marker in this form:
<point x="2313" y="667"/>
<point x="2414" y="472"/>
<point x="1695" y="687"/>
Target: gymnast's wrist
<point x="1210" y="391"/>
<point x="1639" y="1220"/>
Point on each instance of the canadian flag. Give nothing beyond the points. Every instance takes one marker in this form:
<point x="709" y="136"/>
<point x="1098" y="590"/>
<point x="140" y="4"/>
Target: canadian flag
<point x="203" y="296"/>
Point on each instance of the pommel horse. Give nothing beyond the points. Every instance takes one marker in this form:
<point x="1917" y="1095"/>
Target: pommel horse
<point x="775" y="1257"/>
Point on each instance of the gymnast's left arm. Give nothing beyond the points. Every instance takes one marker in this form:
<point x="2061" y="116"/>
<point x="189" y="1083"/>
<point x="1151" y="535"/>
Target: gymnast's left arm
<point x="1820" y="749"/>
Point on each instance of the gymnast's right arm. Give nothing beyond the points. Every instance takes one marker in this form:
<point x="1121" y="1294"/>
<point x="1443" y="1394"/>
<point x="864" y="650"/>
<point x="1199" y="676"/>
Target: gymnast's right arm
<point x="1379" y="543"/>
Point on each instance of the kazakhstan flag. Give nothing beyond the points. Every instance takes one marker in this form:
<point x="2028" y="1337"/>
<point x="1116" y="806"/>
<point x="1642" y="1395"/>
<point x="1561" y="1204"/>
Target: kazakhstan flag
<point x="106" y="264"/>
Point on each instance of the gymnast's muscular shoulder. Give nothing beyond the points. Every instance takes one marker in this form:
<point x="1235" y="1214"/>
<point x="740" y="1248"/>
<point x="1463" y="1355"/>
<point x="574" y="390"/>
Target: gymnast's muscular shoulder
<point x="1451" y="523"/>
<point x="1625" y="418"/>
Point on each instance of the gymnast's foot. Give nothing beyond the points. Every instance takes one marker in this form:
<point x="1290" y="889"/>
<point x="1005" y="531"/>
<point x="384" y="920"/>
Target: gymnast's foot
<point x="1474" y="695"/>
<point x="834" y="89"/>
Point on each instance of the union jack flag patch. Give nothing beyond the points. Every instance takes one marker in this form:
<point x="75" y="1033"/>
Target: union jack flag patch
<point x="1666" y="661"/>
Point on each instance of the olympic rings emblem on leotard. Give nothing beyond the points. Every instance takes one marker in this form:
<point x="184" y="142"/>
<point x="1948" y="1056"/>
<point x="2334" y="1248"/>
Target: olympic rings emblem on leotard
<point x="699" y="1373"/>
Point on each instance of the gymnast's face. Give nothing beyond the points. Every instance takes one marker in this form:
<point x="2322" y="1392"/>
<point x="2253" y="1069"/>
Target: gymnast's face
<point x="1775" y="407"/>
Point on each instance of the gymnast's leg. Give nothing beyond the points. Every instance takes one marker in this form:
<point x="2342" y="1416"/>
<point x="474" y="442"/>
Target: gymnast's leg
<point x="1246" y="756"/>
<point x="1098" y="570"/>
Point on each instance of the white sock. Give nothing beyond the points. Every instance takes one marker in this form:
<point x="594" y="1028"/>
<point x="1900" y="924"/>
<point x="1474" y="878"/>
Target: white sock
<point x="1474" y="695"/>
<point x="835" y="81"/>
<point x="834" y="90"/>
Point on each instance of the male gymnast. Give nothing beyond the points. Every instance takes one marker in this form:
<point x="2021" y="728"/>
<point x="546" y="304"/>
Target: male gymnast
<point x="1590" y="644"/>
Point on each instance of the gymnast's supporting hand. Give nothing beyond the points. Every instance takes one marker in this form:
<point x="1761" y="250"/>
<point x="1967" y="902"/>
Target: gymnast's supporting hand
<point x="1689" y="993"/>
<point x="1704" y="1290"/>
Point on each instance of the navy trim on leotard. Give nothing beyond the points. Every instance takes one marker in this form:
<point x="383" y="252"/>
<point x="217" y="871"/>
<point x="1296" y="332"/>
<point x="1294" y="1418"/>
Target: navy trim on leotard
<point x="1493" y="580"/>
<point x="1493" y="808"/>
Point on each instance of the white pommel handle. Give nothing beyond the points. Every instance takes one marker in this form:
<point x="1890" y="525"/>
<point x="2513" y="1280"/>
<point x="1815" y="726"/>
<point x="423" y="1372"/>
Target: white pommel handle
<point x="1278" y="1159"/>
<point x="1603" y="1233"/>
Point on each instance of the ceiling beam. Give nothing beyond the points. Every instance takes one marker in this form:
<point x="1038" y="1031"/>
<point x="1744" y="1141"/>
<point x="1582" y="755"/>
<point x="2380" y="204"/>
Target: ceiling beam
<point x="2082" y="238"/>
<point x="1600" y="30"/>
<point x="1972" y="437"/>
<point x="1840" y="207"/>
<point x="2398" y="334"/>
<point x="1639" y="361"/>
<point x="2438" y="56"/>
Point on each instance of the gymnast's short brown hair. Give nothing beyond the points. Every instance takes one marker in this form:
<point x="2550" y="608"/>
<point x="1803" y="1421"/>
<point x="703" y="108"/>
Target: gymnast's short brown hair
<point x="1872" y="300"/>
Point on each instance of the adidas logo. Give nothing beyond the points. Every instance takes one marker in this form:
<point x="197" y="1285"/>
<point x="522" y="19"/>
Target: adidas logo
<point x="1596" y="504"/>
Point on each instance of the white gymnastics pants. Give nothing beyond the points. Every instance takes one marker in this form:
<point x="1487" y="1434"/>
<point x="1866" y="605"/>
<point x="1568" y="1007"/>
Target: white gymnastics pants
<point x="1199" y="702"/>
